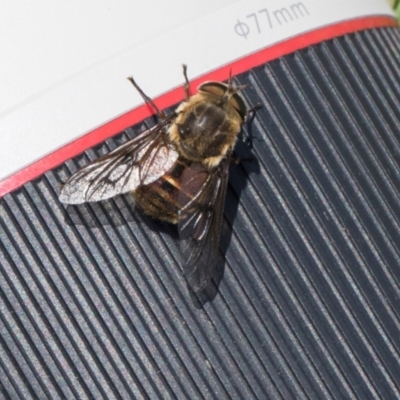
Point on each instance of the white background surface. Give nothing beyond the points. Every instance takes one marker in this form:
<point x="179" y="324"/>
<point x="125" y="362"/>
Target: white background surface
<point x="64" y="64"/>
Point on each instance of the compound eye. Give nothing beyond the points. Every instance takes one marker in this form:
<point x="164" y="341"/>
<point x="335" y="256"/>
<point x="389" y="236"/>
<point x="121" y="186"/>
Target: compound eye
<point x="238" y="104"/>
<point x="219" y="89"/>
<point x="215" y="88"/>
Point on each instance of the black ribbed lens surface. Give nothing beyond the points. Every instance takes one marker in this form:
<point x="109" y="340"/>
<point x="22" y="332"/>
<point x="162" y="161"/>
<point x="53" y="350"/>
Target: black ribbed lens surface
<point x="308" y="307"/>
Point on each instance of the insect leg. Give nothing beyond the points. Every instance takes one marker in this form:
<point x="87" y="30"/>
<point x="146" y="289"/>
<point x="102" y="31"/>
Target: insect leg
<point x="147" y="99"/>
<point x="252" y="112"/>
<point x="186" y="86"/>
<point x="236" y="160"/>
<point x="249" y="124"/>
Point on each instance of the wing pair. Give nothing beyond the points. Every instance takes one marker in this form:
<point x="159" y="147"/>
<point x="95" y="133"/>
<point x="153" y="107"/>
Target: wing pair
<point x="141" y="161"/>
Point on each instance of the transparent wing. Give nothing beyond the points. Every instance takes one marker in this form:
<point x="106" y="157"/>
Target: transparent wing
<point x="202" y="198"/>
<point x="139" y="161"/>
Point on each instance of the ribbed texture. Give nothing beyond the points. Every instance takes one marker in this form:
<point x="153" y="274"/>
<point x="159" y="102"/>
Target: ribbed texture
<point x="308" y="307"/>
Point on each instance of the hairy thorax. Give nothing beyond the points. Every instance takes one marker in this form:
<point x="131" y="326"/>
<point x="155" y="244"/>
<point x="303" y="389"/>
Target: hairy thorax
<point x="205" y="129"/>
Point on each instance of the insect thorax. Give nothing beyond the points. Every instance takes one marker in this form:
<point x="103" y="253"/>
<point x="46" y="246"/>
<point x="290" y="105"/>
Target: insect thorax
<point x="205" y="129"/>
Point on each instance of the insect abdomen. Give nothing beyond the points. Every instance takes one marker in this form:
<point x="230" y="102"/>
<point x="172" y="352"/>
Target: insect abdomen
<point x="159" y="199"/>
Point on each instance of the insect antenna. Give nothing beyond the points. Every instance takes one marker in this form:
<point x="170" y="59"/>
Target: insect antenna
<point x="147" y="99"/>
<point x="186" y="86"/>
<point x="230" y="78"/>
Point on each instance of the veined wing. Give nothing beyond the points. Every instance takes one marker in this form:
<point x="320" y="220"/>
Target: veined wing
<point x="139" y="161"/>
<point x="202" y="198"/>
